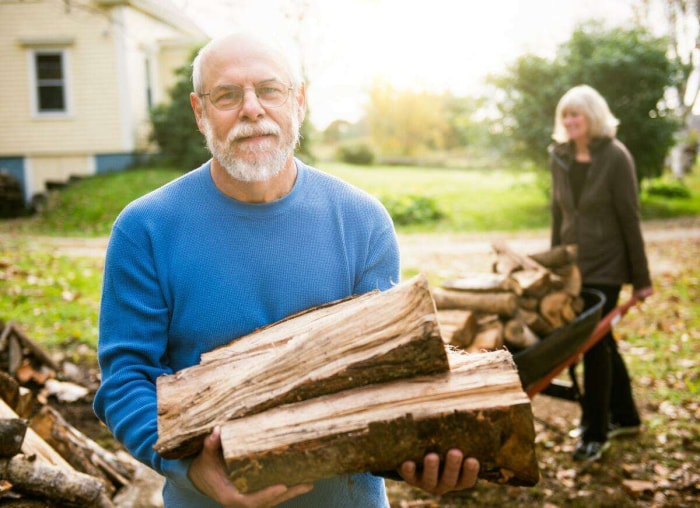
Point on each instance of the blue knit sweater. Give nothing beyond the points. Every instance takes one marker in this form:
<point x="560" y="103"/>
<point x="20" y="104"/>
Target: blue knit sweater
<point x="189" y="269"/>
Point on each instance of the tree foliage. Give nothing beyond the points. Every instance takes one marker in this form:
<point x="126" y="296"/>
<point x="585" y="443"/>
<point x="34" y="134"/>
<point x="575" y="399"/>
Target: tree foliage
<point x="629" y="67"/>
<point x="174" y="127"/>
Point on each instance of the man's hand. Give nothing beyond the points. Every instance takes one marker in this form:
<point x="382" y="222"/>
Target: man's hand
<point x="459" y="473"/>
<point x="208" y="473"/>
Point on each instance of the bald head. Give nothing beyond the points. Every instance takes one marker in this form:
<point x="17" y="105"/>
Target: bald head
<point x="243" y="48"/>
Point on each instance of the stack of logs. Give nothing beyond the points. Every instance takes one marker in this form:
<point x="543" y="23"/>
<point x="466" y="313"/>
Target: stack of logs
<point x="44" y="460"/>
<point x="524" y="299"/>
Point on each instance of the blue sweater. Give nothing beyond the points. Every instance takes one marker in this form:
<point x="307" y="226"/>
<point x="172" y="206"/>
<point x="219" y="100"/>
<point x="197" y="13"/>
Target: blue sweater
<point x="189" y="269"/>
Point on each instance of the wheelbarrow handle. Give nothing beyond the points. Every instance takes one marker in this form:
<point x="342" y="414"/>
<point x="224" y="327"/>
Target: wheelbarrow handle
<point x="604" y="326"/>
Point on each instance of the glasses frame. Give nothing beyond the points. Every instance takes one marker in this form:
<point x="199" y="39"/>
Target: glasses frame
<point x="255" y="90"/>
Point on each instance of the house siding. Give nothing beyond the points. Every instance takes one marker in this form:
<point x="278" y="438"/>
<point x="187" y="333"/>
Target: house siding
<point x="105" y="46"/>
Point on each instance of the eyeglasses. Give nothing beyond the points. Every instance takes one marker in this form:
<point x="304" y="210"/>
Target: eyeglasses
<point x="271" y="94"/>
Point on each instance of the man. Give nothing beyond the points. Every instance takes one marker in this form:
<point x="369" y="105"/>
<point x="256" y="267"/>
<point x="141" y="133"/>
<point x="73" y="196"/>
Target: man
<point x="247" y="239"/>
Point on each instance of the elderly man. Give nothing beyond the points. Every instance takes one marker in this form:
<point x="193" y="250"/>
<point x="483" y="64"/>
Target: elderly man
<point x="250" y="237"/>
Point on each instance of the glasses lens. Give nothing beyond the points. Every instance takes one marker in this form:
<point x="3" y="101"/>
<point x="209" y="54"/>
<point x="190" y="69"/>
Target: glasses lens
<point x="272" y="94"/>
<point x="226" y="97"/>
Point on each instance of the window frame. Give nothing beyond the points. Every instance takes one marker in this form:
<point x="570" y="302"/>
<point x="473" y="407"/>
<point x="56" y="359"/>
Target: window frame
<point x="34" y="84"/>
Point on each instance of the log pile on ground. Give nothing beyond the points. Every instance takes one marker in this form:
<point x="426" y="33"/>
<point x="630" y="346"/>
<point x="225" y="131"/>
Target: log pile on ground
<point x="524" y="299"/>
<point x="353" y="386"/>
<point x="44" y="460"/>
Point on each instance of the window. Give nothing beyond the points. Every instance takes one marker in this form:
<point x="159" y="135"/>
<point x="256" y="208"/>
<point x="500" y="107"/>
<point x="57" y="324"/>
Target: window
<point x="50" y="82"/>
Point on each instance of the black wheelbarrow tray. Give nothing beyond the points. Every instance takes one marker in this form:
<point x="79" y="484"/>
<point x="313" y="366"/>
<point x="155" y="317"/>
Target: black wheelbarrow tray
<point x="539" y="364"/>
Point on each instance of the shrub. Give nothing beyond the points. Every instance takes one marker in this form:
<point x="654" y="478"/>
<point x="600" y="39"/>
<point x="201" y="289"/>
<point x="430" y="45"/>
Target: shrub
<point x="407" y="209"/>
<point x="357" y="153"/>
<point x="672" y="188"/>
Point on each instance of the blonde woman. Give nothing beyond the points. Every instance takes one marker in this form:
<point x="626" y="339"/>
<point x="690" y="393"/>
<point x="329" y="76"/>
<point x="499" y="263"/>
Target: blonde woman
<point x="595" y="205"/>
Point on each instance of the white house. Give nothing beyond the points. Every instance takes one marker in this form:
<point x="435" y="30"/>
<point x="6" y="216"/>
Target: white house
<point x="78" y="78"/>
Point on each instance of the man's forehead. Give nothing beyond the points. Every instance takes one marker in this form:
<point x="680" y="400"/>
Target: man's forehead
<point x="246" y="55"/>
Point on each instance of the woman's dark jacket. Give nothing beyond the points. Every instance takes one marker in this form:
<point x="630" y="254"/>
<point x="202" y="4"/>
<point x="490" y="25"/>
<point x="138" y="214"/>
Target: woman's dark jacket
<point x="606" y="223"/>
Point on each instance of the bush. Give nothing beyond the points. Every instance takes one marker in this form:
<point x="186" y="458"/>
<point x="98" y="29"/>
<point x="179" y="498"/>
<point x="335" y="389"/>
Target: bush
<point x="357" y="153"/>
<point x="406" y="210"/>
<point x="671" y="188"/>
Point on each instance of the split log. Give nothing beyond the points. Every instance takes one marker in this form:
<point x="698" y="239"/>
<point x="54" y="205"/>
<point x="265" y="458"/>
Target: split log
<point x="535" y="322"/>
<point x="33" y="445"/>
<point x="483" y="282"/>
<point x="63" y="486"/>
<point x="553" y="307"/>
<point x="457" y="327"/>
<point x="518" y="335"/>
<point x="85" y="455"/>
<point x="534" y="283"/>
<point x="12" y="431"/>
<point x="478" y="407"/>
<point x="369" y="339"/>
<point x="561" y="255"/>
<point x="526" y="262"/>
<point x="504" y="304"/>
<point x="489" y="338"/>
<point x="35" y="349"/>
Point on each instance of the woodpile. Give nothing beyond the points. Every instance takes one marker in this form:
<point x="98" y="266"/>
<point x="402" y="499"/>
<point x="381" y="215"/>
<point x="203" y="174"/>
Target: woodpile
<point x="44" y="460"/>
<point x="524" y="299"/>
<point x="359" y="385"/>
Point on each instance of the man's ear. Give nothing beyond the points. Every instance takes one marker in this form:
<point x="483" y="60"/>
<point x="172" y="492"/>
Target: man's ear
<point x="300" y="97"/>
<point x="196" y="103"/>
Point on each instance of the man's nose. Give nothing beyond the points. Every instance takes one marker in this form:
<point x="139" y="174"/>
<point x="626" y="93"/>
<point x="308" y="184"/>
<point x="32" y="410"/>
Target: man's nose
<point x="251" y="107"/>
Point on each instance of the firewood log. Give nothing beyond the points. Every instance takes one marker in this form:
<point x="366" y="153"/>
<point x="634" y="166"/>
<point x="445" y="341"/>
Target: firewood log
<point x="478" y="407"/>
<point x="535" y="322"/>
<point x="488" y="338"/>
<point x="457" y="326"/>
<point x="12" y="431"/>
<point x="561" y="255"/>
<point x="65" y="487"/>
<point x="534" y="283"/>
<point x="483" y="282"/>
<point x="35" y="445"/>
<point x="369" y="339"/>
<point x="504" y="304"/>
<point x="518" y="335"/>
<point x="85" y="455"/>
<point x="552" y="308"/>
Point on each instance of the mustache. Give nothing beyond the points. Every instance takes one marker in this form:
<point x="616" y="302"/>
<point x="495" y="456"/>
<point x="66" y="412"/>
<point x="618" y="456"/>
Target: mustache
<point x="264" y="127"/>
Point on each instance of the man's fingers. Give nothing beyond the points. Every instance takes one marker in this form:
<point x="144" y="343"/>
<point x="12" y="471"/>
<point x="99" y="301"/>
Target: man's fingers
<point x="451" y="472"/>
<point x="470" y="474"/>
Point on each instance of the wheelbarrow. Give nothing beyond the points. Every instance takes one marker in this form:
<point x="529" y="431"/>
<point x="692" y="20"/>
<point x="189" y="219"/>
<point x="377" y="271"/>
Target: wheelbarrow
<point x="540" y="364"/>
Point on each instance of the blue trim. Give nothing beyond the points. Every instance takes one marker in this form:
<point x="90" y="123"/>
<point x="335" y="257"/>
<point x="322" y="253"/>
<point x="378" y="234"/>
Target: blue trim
<point x="113" y="162"/>
<point x="15" y="166"/>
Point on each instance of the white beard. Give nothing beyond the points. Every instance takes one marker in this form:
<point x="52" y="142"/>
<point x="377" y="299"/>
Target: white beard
<point x="263" y="163"/>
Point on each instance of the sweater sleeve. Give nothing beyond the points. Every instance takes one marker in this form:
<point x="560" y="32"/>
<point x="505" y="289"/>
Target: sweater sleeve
<point x="626" y="200"/>
<point x="381" y="268"/>
<point x="132" y="352"/>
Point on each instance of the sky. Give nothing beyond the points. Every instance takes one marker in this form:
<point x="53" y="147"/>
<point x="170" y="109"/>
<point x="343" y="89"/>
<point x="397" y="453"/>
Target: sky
<point x="434" y="45"/>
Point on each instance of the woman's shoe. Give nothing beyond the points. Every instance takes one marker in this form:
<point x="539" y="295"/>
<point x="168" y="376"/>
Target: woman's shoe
<point x="589" y="451"/>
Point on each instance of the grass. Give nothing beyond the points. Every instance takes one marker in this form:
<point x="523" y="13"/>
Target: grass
<point x="471" y="200"/>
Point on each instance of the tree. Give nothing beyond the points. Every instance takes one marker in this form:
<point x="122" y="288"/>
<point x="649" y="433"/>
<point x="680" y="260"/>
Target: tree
<point x="629" y="67"/>
<point x="174" y="127"/>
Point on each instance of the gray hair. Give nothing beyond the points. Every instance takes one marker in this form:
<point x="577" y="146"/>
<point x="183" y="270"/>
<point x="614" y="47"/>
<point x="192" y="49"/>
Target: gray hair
<point x="283" y="52"/>
<point x="585" y="99"/>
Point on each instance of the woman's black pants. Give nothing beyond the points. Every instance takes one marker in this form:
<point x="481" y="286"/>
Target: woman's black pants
<point x="606" y="384"/>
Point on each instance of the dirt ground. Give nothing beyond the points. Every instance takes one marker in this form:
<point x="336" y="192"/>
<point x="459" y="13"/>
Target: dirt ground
<point x="443" y="256"/>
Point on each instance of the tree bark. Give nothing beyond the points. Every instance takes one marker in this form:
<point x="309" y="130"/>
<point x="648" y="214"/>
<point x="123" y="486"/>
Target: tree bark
<point x="61" y="485"/>
<point x="370" y="339"/>
<point x="478" y="407"/>
<point x="503" y="304"/>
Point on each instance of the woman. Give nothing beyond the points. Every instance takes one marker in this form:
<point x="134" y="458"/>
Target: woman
<point x="595" y="206"/>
